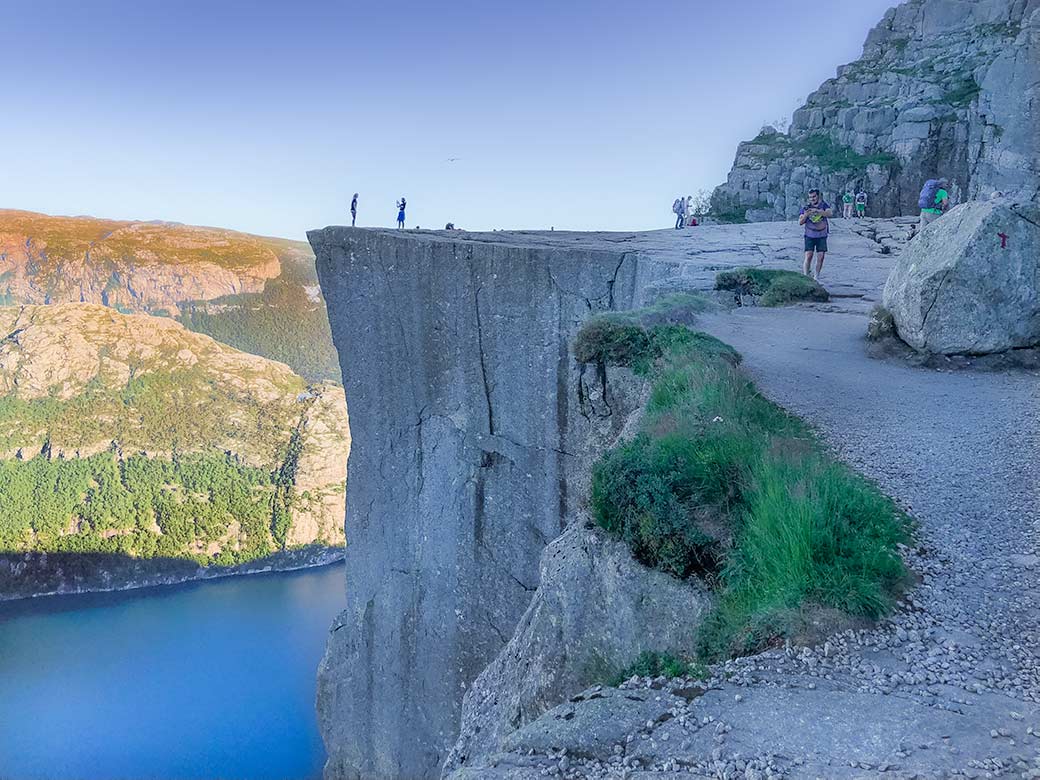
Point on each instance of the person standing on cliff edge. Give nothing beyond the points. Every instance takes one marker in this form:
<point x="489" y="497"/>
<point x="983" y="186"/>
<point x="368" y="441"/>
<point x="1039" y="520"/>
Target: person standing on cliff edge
<point x="400" y="212"/>
<point x="353" y="210"/>
<point x="815" y="218"/>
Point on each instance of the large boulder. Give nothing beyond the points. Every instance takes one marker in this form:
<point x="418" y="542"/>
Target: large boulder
<point x="596" y="610"/>
<point x="970" y="282"/>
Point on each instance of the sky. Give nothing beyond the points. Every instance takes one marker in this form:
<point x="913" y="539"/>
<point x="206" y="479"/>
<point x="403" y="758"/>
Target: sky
<point x="267" y="116"/>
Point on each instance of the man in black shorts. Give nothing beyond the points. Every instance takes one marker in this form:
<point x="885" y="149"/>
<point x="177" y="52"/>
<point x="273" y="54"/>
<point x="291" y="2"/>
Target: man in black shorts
<point x="815" y="218"/>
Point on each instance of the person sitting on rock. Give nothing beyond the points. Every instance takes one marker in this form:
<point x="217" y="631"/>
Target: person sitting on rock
<point x="815" y="216"/>
<point x="846" y="205"/>
<point x="933" y="201"/>
<point x="861" y="204"/>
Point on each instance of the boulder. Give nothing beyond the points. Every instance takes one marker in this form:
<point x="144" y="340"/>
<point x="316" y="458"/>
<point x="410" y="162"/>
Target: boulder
<point x="596" y="610"/>
<point x="970" y="282"/>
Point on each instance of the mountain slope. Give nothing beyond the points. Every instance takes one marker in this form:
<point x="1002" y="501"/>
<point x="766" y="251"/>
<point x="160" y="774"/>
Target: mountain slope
<point x="944" y="88"/>
<point x="256" y="293"/>
<point x="129" y="433"/>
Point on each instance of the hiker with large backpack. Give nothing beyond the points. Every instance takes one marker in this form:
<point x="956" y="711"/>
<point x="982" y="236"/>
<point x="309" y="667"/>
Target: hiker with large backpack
<point x="933" y="201"/>
<point x="679" y="209"/>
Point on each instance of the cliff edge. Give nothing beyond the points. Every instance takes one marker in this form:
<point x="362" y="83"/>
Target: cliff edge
<point x="465" y="421"/>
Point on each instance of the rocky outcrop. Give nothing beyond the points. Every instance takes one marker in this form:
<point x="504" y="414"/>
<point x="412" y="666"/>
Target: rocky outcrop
<point x="943" y="88"/>
<point x="466" y="425"/>
<point x="596" y="610"/>
<point x="130" y="266"/>
<point x="320" y="479"/>
<point x="970" y="282"/>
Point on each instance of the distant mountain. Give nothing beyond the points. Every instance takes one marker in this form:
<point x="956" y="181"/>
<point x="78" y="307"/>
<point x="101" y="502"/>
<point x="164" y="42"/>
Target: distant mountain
<point x="130" y="434"/>
<point x="256" y="293"/>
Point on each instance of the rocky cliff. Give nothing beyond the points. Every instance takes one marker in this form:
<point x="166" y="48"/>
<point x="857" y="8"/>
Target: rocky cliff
<point x="130" y="434"/>
<point x="131" y="266"/>
<point x="469" y="418"/>
<point x="944" y="88"/>
<point x="256" y="293"/>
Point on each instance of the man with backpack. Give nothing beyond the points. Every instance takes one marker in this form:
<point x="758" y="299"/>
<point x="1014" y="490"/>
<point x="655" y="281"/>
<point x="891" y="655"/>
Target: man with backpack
<point x="861" y="204"/>
<point x="933" y="201"/>
<point x="679" y="209"/>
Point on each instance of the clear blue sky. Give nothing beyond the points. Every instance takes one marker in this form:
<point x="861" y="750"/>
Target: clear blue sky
<point x="266" y="117"/>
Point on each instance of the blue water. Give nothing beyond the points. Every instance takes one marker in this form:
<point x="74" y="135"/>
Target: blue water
<point x="194" y="682"/>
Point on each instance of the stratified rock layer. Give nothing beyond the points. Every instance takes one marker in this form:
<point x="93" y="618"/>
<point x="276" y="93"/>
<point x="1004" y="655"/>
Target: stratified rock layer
<point x="465" y="420"/>
<point x="944" y="88"/>
<point x="970" y="282"/>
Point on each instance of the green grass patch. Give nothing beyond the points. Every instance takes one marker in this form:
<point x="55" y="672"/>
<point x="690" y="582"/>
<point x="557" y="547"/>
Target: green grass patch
<point x="723" y="484"/>
<point x="832" y="157"/>
<point x="636" y="339"/>
<point x="651" y="664"/>
<point x="773" y="287"/>
<point x="613" y="339"/>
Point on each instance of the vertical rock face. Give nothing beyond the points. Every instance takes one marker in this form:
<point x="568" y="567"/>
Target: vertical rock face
<point x="464" y="420"/>
<point x="944" y="88"/>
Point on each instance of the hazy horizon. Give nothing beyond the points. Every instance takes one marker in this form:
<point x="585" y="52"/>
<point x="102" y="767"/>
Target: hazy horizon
<point x="258" y="118"/>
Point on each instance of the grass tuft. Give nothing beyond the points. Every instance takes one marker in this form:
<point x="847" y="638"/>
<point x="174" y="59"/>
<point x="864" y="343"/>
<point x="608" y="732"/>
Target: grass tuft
<point x="773" y="287"/>
<point x="652" y="664"/>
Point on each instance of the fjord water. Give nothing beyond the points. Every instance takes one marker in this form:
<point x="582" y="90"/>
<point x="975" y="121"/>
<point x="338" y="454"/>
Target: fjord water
<point x="194" y="682"/>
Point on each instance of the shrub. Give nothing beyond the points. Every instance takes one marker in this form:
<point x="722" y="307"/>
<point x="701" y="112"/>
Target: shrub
<point x="613" y="340"/>
<point x="881" y="324"/>
<point x="632" y="498"/>
<point x="772" y="286"/>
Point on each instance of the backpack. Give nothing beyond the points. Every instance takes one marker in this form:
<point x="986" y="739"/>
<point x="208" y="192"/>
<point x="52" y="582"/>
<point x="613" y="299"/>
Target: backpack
<point x="677" y="206"/>
<point x="926" y="200"/>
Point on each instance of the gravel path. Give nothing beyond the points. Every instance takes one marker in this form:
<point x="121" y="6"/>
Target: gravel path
<point x="961" y="451"/>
